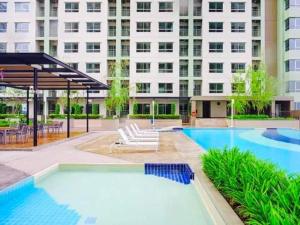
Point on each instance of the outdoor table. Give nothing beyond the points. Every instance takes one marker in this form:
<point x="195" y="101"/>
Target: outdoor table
<point x="3" y="130"/>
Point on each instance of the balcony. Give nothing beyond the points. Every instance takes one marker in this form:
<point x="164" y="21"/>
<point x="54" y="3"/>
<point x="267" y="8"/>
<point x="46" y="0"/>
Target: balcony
<point x="53" y="12"/>
<point x="197" y="72"/>
<point x="197" y="52"/>
<point x="184" y="93"/>
<point x="184" y="31"/>
<point x="125" y="51"/>
<point x="184" y="52"/>
<point x="112" y="52"/>
<point x="197" y="32"/>
<point x="183" y="73"/>
<point x="112" y="31"/>
<point x="197" y="92"/>
<point x="126" y="11"/>
<point x="125" y="31"/>
<point x="256" y="32"/>
<point x="256" y="12"/>
<point x="197" y="11"/>
<point x="125" y="72"/>
<point x="112" y="11"/>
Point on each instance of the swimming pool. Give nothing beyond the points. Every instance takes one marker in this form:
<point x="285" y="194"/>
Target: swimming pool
<point x="280" y="146"/>
<point x="102" y="195"/>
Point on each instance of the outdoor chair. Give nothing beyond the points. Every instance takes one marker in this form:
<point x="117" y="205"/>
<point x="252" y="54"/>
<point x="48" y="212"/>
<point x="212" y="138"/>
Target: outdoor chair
<point x="132" y="137"/>
<point x="22" y="134"/>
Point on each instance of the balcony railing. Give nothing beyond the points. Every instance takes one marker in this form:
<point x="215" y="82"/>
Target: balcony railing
<point x="197" y="32"/>
<point x="41" y="33"/>
<point x="112" y="32"/>
<point x="125" y="31"/>
<point x="184" y="32"/>
<point x="111" y="52"/>
<point x="197" y="72"/>
<point x="112" y="11"/>
<point x="125" y="52"/>
<point x="184" y="73"/>
<point x="256" y="32"/>
<point x="126" y="11"/>
<point x="183" y="93"/>
<point x="125" y="73"/>
<point x="255" y="53"/>
<point x="197" y="92"/>
<point x="197" y="52"/>
<point x="197" y="11"/>
<point x="255" y="12"/>
<point x="41" y="12"/>
<point x="53" y="13"/>
<point x="184" y="52"/>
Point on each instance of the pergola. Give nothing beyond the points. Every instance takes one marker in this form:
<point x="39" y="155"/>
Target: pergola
<point x="40" y="71"/>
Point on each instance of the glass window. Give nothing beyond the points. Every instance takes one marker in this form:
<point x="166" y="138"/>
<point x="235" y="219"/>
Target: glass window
<point x="292" y="44"/>
<point x="238" y="47"/>
<point x="143" y="67"/>
<point x="74" y="65"/>
<point x="165" y="88"/>
<point x="215" y="27"/>
<point x="238" y="6"/>
<point x="292" y="3"/>
<point x="216" y="67"/>
<point x="143" y="47"/>
<point x="22" y="47"/>
<point x="164" y="108"/>
<point x="165" y="46"/>
<point x="142" y="87"/>
<point x="292" y="65"/>
<point x="237" y="27"/>
<point x="238" y="67"/>
<point x="93" y="27"/>
<point x="93" y="67"/>
<point x="71" y="47"/>
<point x="166" y="7"/>
<point x="165" y="67"/>
<point x="71" y="27"/>
<point x="93" y="6"/>
<point x="3" y="27"/>
<point x="293" y="86"/>
<point x="92" y="47"/>
<point x="22" y="6"/>
<point x="22" y="27"/>
<point x="216" y="47"/>
<point x="3" y="47"/>
<point x="216" y="7"/>
<point x="143" y="27"/>
<point x="143" y="6"/>
<point x="292" y="23"/>
<point x="71" y="7"/>
<point x="3" y="7"/>
<point x="165" y="27"/>
<point x="143" y="108"/>
<point x="216" y="88"/>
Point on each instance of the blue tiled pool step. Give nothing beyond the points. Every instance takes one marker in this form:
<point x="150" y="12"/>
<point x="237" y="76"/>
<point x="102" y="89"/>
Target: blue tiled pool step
<point x="179" y="172"/>
<point x="272" y="133"/>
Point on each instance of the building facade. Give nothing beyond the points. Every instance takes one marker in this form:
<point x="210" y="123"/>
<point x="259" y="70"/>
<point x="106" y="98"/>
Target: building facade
<point x="171" y="51"/>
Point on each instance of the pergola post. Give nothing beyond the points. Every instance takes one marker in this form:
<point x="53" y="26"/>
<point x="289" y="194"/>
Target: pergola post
<point x="35" y="106"/>
<point x="27" y="107"/>
<point x="68" y="110"/>
<point x="87" y="110"/>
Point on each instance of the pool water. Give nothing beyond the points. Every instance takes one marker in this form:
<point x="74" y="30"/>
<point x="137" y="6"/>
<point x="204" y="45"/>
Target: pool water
<point x="280" y="146"/>
<point x="103" y="196"/>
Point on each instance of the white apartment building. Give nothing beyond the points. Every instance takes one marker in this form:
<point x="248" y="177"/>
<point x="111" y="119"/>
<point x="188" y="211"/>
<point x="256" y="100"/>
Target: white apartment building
<point x="174" y="51"/>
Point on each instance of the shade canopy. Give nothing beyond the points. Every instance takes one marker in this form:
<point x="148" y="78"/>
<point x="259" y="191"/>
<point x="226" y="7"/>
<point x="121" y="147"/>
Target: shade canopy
<point x="17" y="70"/>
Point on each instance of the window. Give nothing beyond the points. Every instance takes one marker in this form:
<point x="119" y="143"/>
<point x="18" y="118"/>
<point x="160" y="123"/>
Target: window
<point x="92" y="47"/>
<point x="216" y="88"/>
<point x="71" y="47"/>
<point x="22" y="6"/>
<point x="238" y="47"/>
<point x="238" y="67"/>
<point x="143" y="67"/>
<point x="93" y="67"/>
<point x="238" y="87"/>
<point x="143" y="108"/>
<point x="93" y="27"/>
<point x="165" y="27"/>
<point x="216" y="6"/>
<point x="292" y="65"/>
<point x="143" y="47"/>
<point x="143" y="6"/>
<point x="238" y="7"/>
<point x="216" y="67"/>
<point x="71" y="7"/>
<point x="143" y="27"/>
<point x="142" y="87"/>
<point x="3" y="47"/>
<point x="71" y="27"/>
<point x="165" y="67"/>
<point x="215" y="27"/>
<point x="216" y="47"/>
<point x="292" y="44"/>
<point x="164" y="108"/>
<point x="165" y="88"/>
<point x="93" y="6"/>
<point x="3" y="7"/>
<point x="3" y="27"/>
<point x="292" y="3"/>
<point x="165" y="47"/>
<point x="74" y="65"/>
<point x="22" y="27"/>
<point x="292" y="23"/>
<point x="238" y="27"/>
<point x="293" y="86"/>
<point x="166" y="7"/>
<point x="22" y="47"/>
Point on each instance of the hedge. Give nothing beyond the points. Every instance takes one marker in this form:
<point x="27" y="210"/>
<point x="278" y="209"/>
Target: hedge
<point x="257" y="117"/>
<point x="149" y="116"/>
<point x="74" y="116"/>
<point x="4" y="123"/>
<point x="258" y="191"/>
<point x="11" y="116"/>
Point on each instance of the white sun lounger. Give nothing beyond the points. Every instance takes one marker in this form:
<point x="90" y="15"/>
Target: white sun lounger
<point x="150" y="131"/>
<point x="144" y="134"/>
<point x="140" y="138"/>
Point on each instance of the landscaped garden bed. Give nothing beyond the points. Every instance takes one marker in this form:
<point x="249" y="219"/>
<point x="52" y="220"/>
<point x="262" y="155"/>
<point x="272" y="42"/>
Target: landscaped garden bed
<point x="257" y="190"/>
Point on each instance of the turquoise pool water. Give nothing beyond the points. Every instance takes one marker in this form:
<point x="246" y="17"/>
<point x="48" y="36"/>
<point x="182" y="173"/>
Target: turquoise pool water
<point x="280" y="146"/>
<point x="102" y="196"/>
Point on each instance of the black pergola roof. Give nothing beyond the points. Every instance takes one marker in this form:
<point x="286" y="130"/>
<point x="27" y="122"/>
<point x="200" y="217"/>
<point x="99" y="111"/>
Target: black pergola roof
<point x="52" y="74"/>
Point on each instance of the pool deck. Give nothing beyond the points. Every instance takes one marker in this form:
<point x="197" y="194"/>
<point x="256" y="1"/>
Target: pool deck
<point x="94" y="148"/>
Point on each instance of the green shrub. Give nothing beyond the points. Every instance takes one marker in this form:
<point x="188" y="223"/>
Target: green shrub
<point x="258" y="191"/>
<point x="76" y="109"/>
<point x="57" y="109"/>
<point x="4" y="123"/>
<point x="173" y="108"/>
<point x="95" y="109"/>
<point x="251" y="117"/>
<point x="3" y="108"/>
<point x="11" y="116"/>
<point x="149" y="116"/>
<point x="135" y="108"/>
<point x="57" y="116"/>
<point x="74" y="116"/>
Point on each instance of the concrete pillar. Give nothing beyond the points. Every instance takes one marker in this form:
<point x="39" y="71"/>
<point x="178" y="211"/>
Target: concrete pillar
<point x="273" y="109"/>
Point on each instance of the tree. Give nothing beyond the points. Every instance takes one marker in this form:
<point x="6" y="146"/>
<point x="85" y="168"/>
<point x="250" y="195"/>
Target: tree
<point x="255" y="89"/>
<point x="118" y="94"/>
<point x="75" y="98"/>
<point x="15" y="99"/>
